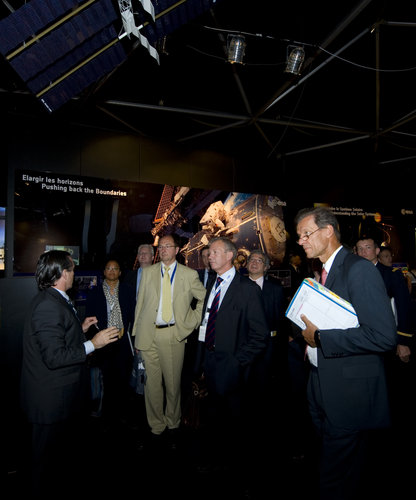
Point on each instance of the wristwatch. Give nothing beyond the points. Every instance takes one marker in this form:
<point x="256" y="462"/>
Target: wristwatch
<point x="317" y="338"/>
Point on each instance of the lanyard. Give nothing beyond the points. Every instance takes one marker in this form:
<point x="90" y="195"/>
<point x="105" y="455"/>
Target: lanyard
<point x="173" y="273"/>
<point x="214" y="291"/>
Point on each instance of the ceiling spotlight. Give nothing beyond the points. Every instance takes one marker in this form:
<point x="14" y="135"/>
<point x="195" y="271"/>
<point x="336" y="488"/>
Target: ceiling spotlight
<point x="295" y="60"/>
<point x="236" y="47"/>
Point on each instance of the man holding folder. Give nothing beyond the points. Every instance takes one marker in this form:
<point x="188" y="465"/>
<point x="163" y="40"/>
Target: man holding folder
<point x="347" y="391"/>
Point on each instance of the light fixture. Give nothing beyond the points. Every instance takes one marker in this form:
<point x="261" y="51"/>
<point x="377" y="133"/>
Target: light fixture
<point x="236" y="48"/>
<point x="295" y="60"/>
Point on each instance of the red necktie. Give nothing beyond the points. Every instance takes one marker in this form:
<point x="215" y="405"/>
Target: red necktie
<point x="324" y="274"/>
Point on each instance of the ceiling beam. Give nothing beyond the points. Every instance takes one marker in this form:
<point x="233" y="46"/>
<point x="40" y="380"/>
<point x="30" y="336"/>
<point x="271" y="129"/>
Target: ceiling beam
<point x="235" y="117"/>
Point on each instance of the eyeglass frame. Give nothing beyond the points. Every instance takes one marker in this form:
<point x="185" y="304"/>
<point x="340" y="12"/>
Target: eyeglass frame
<point x="306" y="236"/>
<point x="166" y="246"/>
<point x="259" y="261"/>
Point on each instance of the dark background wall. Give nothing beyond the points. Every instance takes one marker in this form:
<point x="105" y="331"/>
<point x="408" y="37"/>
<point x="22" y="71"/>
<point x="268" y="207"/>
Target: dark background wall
<point x="51" y="146"/>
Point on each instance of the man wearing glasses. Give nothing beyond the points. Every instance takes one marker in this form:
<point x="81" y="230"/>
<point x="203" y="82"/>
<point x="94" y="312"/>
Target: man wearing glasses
<point x="163" y="319"/>
<point x="273" y="359"/>
<point x="347" y="391"/>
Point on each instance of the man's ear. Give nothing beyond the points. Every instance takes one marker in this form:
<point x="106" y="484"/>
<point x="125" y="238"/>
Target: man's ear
<point x="330" y="230"/>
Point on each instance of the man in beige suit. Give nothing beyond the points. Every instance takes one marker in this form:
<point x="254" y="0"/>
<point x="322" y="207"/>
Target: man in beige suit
<point x="160" y="328"/>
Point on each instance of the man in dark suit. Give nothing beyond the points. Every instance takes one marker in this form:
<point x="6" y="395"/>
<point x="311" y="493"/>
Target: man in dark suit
<point x="241" y="332"/>
<point x="54" y="378"/>
<point x="205" y="274"/>
<point x="397" y="291"/>
<point x="272" y="363"/>
<point x="347" y="389"/>
<point x="269" y="378"/>
<point x="400" y="374"/>
<point x="191" y="359"/>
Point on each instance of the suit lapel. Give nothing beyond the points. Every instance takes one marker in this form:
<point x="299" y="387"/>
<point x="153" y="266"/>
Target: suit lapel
<point x="71" y="308"/>
<point x="157" y="278"/>
<point x="178" y="281"/>
<point x="228" y="297"/>
<point x="339" y="259"/>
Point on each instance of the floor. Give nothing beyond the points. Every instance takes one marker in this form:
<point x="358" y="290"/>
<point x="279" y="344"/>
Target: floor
<point x="121" y="460"/>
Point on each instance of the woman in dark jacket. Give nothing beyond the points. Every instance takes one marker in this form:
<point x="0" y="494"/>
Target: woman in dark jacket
<point x="113" y="303"/>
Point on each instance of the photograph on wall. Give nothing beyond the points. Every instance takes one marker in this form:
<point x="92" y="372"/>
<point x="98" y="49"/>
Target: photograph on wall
<point x="94" y="218"/>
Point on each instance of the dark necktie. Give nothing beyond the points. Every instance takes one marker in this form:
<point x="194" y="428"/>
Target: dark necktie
<point x="73" y="309"/>
<point x="210" y="332"/>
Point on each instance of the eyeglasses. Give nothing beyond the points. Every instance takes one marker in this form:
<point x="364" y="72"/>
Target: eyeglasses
<point x="306" y="236"/>
<point x="161" y="247"/>
<point x="112" y="269"/>
<point x="259" y="261"/>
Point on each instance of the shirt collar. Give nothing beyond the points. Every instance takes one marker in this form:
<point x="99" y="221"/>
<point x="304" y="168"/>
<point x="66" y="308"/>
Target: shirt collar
<point x="259" y="281"/>
<point x="328" y="264"/>
<point x="64" y="295"/>
<point x="171" y="267"/>
<point x="228" y="275"/>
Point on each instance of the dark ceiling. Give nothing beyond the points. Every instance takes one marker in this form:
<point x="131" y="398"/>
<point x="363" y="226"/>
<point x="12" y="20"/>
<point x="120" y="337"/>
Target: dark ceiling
<point x="340" y="119"/>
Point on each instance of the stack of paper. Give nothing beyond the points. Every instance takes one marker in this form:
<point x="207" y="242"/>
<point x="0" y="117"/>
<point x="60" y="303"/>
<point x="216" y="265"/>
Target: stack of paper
<point x="322" y="307"/>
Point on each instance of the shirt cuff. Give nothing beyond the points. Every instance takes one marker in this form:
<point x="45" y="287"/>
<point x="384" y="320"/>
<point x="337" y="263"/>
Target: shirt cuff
<point x="89" y="347"/>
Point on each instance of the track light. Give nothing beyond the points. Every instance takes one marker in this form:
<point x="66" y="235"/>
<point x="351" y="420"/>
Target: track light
<point x="236" y="48"/>
<point x="295" y="60"/>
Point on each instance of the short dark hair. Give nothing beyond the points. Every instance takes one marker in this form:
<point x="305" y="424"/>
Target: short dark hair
<point x="369" y="237"/>
<point x="322" y="216"/>
<point x="50" y="267"/>
<point x="175" y="238"/>
<point x="386" y="248"/>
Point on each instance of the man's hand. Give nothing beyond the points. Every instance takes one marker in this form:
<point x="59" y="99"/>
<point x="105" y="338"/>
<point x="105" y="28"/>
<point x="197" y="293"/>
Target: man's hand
<point x="403" y="352"/>
<point x="104" y="337"/>
<point x="91" y="320"/>
<point x="309" y="332"/>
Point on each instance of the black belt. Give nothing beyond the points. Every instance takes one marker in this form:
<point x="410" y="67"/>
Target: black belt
<point x="164" y="326"/>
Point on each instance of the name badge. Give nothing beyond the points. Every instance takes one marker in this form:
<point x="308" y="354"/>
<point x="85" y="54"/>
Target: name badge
<point x="202" y="330"/>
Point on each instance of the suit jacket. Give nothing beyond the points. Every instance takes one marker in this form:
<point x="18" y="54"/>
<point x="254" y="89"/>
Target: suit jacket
<point x="241" y="333"/>
<point x="117" y="355"/>
<point x="351" y="362"/>
<point x="187" y="312"/>
<point x="96" y="304"/>
<point x="273" y="360"/>
<point x="274" y="303"/>
<point x="211" y="277"/>
<point x="130" y="277"/>
<point x="54" y="378"/>
<point x="396" y="287"/>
